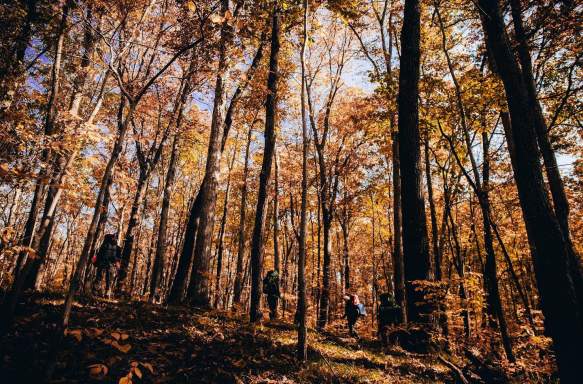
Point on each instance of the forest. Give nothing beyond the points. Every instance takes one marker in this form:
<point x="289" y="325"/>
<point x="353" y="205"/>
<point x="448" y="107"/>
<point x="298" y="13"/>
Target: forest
<point x="291" y="191"/>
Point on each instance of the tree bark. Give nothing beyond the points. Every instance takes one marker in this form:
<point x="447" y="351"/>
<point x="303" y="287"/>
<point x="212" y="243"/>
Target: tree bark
<point x="221" y="245"/>
<point x="238" y="285"/>
<point x="415" y="241"/>
<point x="268" y="151"/>
<point x="432" y="212"/>
<point x="276" y="257"/>
<point x="160" y="256"/>
<point x="302" y="347"/>
<point x="199" y="286"/>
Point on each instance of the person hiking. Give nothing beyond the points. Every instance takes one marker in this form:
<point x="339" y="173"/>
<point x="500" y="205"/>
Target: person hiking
<point x="353" y="309"/>
<point x="271" y="289"/>
<point x="107" y="262"/>
<point x="388" y="314"/>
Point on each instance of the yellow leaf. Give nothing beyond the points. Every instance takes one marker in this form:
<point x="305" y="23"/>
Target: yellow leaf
<point x="124" y="336"/>
<point x="125" y="380"/>
<point x="4" y="170"/>
<point x="215" y="18"/>
<point x="125" y="348"/>
<point x="98" y="370"/>
<point x="76" y="333"/>
<point x="116" y="335"/>
<point x="138" y="372"/>
<point x="149" y="367"/>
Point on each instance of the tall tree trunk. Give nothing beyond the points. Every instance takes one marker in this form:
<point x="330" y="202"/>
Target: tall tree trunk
<point x="415" y="241"/>
<point x="432" y="212"/>
<point x="199" y="290"/>
<point x="133" y="224"/>
<point x="221" y="245"/>
<point x="398" y="261"/>
<point x="563" y="315"/>
<point x="183" y="269"/>
<point x="276" y="261"/>
<point x="268" y="151"/>
<point x="160" y="256"/>
<point x="490" y="274"/>
<point x="238" y="285"/>
<point x="324" y="309"/>
<point x="346" y="252"/>
<point x="302" y="348"/>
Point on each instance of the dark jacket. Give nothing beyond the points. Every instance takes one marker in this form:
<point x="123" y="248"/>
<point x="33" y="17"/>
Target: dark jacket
<point x="109" y="252"/>
<point x="389" y="312"/>
<point x="271" y="284"/>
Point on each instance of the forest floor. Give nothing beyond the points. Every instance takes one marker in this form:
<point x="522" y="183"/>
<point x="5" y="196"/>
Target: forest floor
<point x="111" y="342"/>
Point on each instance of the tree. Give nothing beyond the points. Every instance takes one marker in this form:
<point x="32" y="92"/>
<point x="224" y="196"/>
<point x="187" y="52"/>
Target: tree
<point x="302" y="348"/>
<point x="415" y="240"/>
<point x="257" y="238"/>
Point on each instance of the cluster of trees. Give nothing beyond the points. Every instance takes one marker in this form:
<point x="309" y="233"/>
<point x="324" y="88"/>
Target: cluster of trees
<point x="415" y="147"/>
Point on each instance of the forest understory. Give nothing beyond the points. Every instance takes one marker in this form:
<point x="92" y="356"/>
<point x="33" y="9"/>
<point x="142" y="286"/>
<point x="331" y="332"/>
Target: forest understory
<point x="109" y="341"/>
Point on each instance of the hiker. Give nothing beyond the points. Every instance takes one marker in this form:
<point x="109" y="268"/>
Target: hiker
<point x="388" y="314"/>
<point x="271" y="289"/>
<point x="353" y="309"/>
<point x="107" y="261"/>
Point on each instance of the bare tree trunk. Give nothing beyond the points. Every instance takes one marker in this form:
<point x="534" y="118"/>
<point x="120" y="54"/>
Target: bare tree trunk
<point x="268" y="151"/>
<point x="415" y="241"/>
<point x="276" y="261"/>
<point x="199" y="289"/>
<point x="432" y="212"/>
<point x="398" y="261"/>
<point x="160" y="256"/>
<point x="302" y="348"/>
<point x="133" y="224"/>
<point x="238" y="285"/>
<point x="221" y="246"/>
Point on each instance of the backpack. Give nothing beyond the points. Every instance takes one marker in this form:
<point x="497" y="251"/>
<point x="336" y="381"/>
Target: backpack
<point x="361" y="309"/>
<point x="354" y="305"/>
<point x="271" y="283"/>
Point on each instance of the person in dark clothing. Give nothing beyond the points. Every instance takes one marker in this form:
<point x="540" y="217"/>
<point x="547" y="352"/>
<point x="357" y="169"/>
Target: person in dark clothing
<point x="271" y="289"/>
<point x="388" y="314"/>
<point x="107" y="262"/>
<point x="352" y="312"/>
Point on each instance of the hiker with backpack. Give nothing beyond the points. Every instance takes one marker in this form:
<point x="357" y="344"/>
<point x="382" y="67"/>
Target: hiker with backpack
<point x="107" y="262"/>
<point x="353" y="309"/>
<point x="271" y="289"/>
<point x="388" y="314"/>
